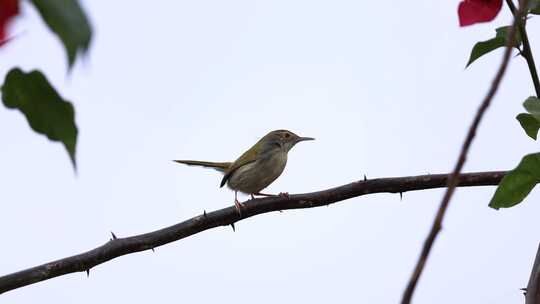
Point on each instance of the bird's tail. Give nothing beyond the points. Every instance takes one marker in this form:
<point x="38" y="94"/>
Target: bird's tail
<point x="221" y="167"/>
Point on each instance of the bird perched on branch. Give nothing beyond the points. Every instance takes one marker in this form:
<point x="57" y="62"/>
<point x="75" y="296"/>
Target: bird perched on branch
<point x="258" y="167"/>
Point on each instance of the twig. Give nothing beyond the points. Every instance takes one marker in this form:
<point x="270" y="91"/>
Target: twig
<point x="454" y="178"/>
<point x="532" y="295"/>
<point x="526" y="52"/>
<point x="121" y="246"/>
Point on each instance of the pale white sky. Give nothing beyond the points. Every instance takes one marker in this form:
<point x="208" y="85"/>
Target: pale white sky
<point x="382" y="87"/>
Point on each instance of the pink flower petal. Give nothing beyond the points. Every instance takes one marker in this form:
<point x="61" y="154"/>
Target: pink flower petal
<point x="8" y="9"/>
<point x="475" y="11"/>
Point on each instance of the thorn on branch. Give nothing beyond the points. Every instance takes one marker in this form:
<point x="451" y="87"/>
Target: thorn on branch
<point x="204" y="214"/>
<point x="153" y="250"/>
<point x="524" y="291"/>
<point x="113" y="236"/>
<point x="400" y="196"/>
<point x="520" y="52"/>
<point x="233" y="229"/>
<point x="88" y="272"/>
<point x="365" y="177"/>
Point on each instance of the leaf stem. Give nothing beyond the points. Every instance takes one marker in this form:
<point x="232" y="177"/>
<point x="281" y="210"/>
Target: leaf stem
<point x="526" y="53"/>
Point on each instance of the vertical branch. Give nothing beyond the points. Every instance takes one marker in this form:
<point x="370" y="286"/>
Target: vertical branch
<point x="532" y="295"/>
<point x="453" y="181"/>
<point x="527" y="52"/>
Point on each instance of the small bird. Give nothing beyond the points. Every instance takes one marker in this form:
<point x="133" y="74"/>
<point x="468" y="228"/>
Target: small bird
<point x="258" y="167"/>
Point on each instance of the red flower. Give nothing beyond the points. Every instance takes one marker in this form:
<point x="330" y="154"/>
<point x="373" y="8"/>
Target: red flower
<point x="8" y="9"/>
<point x="474" y="11"/>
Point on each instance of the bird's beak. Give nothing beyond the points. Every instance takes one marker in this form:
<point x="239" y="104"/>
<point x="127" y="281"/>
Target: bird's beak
<point x="299" y="139"/>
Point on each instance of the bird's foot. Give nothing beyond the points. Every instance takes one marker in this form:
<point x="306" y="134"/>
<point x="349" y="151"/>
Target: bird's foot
<point x="284" y="194"/>
<point x="239" y="206"/>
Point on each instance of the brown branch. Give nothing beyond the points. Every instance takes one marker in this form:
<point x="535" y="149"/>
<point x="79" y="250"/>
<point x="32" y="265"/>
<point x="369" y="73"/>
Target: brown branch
<point x="454" y="177"/>
<point x="527" y="52"/>
<point x="532" y="295"/>
<point x="228" y="216"/>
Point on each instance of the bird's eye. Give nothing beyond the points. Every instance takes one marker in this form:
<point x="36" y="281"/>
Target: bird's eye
<point x="287" y="135"/>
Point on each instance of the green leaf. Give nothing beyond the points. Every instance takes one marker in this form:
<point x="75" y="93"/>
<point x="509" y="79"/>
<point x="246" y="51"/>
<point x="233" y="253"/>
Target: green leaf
<point x="529" y="124"/>
<point x="46" y="112"/>
<point x="484" y="47"/>
<point x="532" y="105"/>
<point x="67" y="20"/>
<point x="517" y="184"/>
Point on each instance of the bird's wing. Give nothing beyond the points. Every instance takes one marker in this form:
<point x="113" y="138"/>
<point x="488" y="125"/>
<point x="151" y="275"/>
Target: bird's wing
<point x="248" y="157"/>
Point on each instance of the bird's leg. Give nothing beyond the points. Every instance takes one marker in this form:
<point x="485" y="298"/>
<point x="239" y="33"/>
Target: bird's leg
<point x="237" y="203"/>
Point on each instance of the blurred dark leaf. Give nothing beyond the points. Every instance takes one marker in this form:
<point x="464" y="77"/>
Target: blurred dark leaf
<point x="46" y="112"/>
<point x="534" y="7"/>
<point x="517" y="184"/>
<point x="484" y="47"/>
<point x="529" y="124"/>
<point x="67" y="19"/>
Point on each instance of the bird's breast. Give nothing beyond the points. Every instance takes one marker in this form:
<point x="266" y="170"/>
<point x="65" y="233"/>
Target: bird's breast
<point x="255" y="176"/>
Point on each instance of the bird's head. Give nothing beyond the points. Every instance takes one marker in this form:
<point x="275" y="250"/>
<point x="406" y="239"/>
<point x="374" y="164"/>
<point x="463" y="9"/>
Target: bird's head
<point x="282" y="139"/>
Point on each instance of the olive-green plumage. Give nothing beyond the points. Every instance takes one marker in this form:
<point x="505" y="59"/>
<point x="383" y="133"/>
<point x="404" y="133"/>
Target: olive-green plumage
<point x="259" y="166"/>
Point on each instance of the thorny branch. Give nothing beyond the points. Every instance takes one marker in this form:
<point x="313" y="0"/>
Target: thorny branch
<point x="454" y="177"/>
<point x="526" y="52"/>
<point x="532" y="294"/>
<point x="117" y="247"/>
